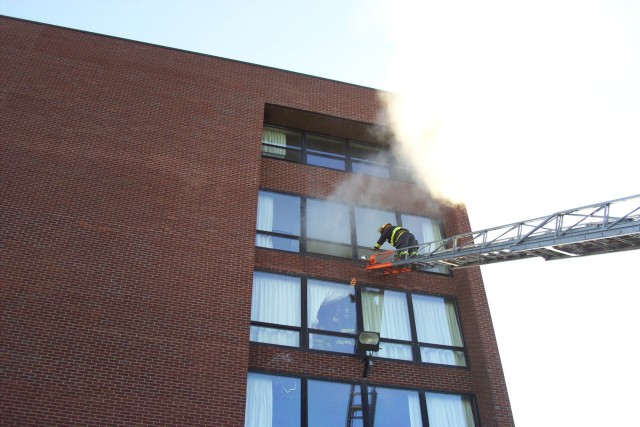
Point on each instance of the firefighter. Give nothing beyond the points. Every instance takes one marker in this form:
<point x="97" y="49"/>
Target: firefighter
<point x="400" y="238"/>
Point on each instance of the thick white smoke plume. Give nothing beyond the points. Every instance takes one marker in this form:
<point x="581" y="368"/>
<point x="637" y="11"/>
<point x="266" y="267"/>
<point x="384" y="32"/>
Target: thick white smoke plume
<point x="504" y="97"/>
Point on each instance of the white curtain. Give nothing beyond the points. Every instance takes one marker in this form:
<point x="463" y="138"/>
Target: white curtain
<point x="319" y="293"/>
<point x="449" y="410"/>
<point x="430" y="232"/>
<point x="259" y="411"/>
<point x="436" y="323"/>
<point x="387" y="314"/>
<point x="275" y="299"/>
<point x="372" y="305"/>
<point x="415" y="417"/>
<point x="265" y="220"/>
<point x="273" y="137"/>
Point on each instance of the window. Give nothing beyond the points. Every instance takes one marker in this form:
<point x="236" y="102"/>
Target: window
<point x="426" y="230"/>
<point x="277" y="401"/>
<point x="330" y="403"/>
<point x="331" y="316"/>
<point x="386" y="312"/>
<point x="273" y="401"/>
<point x="275" y="309"/>
<point x="276" y="313"/>
<point x="278" y="221"/>
<point x="330" y="152"/>
<point x="282" y="144"/>
<point x="326" y="152"/>
<point x="328" y="228"/>
<point x="367" y="223"/>
<point x="369" y="160"/>
<point x="326" y="316"/>
<point x="449" y="410"/>
<point x="398" y="408"/>
<point x="299" y="224"/>
<point x="438" y="330"/>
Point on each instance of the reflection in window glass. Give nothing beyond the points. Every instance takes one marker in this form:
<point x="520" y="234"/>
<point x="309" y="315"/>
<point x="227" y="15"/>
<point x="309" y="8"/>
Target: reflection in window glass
<point x="336" y="344"/>
<point x="426" y="230"/>
<point x="272" y="401"/>
<point x="397" y="408"/>
<point x="330" y="404"/>
<point x="386" y="312"/>
<point x="328" y="221"/>
<point x="369" y="160"/>
<point x="367" y="223"/>
<point x="449" y="410"/>
<point x="326" y="152"/>
<point x="278" y="213"/>
<point x="328" y="228"/>
<point x="275" y="300"/>
<point x="331" y="307"/>
<point x="274" y="336"/>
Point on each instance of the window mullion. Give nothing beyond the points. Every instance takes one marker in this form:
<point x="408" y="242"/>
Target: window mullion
<point x="303" y="225"/>
<point x="415" y="346"/>
<point x="354" y="240"/>
<point x="304" y="338"/>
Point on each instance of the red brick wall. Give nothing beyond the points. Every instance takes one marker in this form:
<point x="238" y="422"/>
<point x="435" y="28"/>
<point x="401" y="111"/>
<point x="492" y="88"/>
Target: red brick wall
<point x="129" y="176"/>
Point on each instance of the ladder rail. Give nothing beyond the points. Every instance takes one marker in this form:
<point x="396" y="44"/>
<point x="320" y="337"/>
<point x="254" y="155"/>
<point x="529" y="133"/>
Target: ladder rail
<point x="606" y="221"/>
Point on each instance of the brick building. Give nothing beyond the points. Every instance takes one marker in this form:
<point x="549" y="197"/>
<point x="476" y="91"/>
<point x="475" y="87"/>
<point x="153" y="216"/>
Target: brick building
<point x="178" y="237"/>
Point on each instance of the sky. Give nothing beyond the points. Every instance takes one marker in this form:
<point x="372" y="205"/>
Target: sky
<point x="519" y="109"/>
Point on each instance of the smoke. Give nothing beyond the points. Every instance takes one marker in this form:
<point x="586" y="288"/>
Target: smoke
<point x="497" y="98"/>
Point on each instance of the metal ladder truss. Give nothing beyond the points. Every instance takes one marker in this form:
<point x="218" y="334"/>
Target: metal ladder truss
<point x="606" y="227"/>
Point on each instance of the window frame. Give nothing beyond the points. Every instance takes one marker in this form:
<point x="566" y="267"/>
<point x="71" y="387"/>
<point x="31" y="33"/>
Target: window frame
<point x="305" y="330"/>
<point x="365" y="388"/>
<point x="358" y="249"/>
<point x="393" y="167"/>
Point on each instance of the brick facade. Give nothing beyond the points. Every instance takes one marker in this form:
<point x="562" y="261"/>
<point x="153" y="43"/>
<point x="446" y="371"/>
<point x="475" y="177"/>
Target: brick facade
<point x="129" y="176"/>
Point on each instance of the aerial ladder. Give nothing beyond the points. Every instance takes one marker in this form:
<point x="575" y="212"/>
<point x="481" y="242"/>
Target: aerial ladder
<point x="611" y="226"/>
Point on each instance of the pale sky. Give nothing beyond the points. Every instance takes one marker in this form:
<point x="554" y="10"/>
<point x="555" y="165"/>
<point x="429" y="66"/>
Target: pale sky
<point x="530" y="108"/>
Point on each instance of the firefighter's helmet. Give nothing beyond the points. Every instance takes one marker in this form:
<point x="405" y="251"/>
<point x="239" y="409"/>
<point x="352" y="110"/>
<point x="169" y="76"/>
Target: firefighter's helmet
<point x="382" y="227"/>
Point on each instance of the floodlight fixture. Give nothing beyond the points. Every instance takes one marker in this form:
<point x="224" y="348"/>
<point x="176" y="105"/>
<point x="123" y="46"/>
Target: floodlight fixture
<point x="368" y="341"/>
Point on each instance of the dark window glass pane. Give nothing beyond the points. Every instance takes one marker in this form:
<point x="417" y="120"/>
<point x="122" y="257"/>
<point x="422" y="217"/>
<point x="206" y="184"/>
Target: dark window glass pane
<point x="326" y="152"/>
<point x="325" y="161"/>
<point x="334" y="404"/>
<point x="372" y="153"/>
<point x="273" y="401"/>
<point x="398" y="408"/>
<point x="369" y="159"/>
<point x="368" y="168"/>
